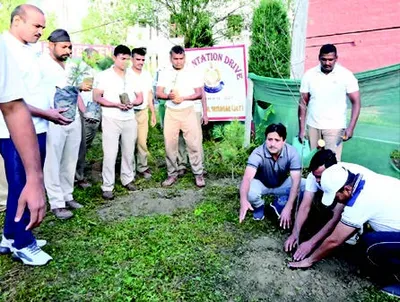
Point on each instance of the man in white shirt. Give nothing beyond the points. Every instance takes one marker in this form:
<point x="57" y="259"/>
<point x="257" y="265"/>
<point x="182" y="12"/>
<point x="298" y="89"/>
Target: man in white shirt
<point x="24" y="152"/>
<point x="63" y="141"/>
<point x="181" y="87"/>
<point x="321" y="161"/>
<point x="115" y="90"/>
<point x="367" y="198"/>
<point x="324" y="91"/>
<point x="143" y="80"/>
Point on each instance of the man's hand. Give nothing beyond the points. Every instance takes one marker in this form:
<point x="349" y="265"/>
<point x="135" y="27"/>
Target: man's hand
<point x="177" y="100"/>
<point x="286" y="218"/>
<point x="153" y="119"/>
<point x="303" y="250"/>
<point x="129" y="106"/>
<point x="122" y="107"/>
<point x="306" y="263"/>
<point x="244" y="207"/>
<point x="348" y="134"/>
<point x="290" y="243"/>
<point x="205" y="119"/>
<point x="55" y="116"/>
<point x="85" y="86"/>
<point x="172" y="95"/>
<point x="32" y="196"/>
<point x="301" y="135"/>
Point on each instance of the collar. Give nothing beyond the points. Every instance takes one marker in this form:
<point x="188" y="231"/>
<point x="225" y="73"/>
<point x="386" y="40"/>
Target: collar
<point x="359" y="186"/>
<point x="334" y="70"/>
<point x="268" y="155"/>
<point x="9" y="38"/>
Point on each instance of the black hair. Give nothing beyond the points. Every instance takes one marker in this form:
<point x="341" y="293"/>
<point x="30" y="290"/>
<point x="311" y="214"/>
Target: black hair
<point x="278" y="128"/>
<point x="327" y="48"/>
<point x="122" y="49"/>
<point x="324" y="157"/>
<point x="177" y="49"/>
<point x="20" y="11"/>
<point x="141" y="51"/>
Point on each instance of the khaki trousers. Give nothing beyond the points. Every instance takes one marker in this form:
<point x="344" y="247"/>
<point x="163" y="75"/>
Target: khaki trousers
<point x="142" y="119"/>
<point x="112" y="131"/>
<point x="332" y="137"/>
<point x="62" y="149"/>
<point x="3" y="186"/>
<point x="182" y="154"/>
<point x="184" y="120"/>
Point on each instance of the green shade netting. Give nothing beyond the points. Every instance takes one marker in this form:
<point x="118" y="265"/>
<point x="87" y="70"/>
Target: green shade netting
<point x="378" y="129"/>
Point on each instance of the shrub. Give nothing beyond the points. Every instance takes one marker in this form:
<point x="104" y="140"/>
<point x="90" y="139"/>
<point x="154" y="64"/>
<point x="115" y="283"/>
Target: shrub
<point x="270" y="40"/>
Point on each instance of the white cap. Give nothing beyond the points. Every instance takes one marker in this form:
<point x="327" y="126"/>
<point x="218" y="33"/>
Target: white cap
<point x="332" y="180"/>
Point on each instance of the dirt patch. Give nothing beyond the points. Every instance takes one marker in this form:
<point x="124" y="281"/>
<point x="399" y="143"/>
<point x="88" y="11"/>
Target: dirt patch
<point x="261" y="274"/>
<point x="149" y="202"/>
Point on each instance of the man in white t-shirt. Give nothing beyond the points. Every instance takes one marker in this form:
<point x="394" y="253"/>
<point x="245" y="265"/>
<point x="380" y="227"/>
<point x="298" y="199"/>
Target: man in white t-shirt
<point x="367" y="198"/>
<point x="324" y="92"/>
<point x="62" y="145"/>
<point x="24" y="152"/>
<point x="115" y="90"/>
<point x="322" y="160"/>
<point x="143" y="80"/>
<point x="181" y="86"/>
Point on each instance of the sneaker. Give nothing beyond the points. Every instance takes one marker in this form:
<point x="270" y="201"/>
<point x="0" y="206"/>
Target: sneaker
<point x="73" y="204"/>
<point x="83" y="184"/>
<point x="258" y="213"/>
<point x="130" y="187"/>
<point x="31" y="255"/>
<point x="7" y="248"/>
<point x="278" y="204"/>
<point x="108" y="195"/>
<point x="199" y="180"/>
<point x="181" y="172"/>
<point x="146" y="174"/>
<point x="392" y="290"/>
<point x="62" y="213"/>
<point x="169" y="181"/>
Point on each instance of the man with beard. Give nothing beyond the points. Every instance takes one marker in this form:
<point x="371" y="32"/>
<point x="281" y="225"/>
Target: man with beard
<point x="267" y="172"/>
<point x="324" y="91"/>
<point x="27" y="24"/>
<point x="63" y="142"/>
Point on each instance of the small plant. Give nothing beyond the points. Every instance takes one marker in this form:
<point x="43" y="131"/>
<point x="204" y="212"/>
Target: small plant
<point x="395" y="159"/>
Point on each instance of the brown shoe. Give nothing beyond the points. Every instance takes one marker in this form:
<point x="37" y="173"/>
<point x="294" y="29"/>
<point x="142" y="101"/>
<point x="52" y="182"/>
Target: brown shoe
<point x="199" y="180"/>
<point x="130" y="187"/>
<point x="169" y="181"/>
<point x="181" y="172"/>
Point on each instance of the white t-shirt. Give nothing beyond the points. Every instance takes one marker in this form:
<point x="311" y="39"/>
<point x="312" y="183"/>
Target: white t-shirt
<point x="144" y="81"/>
<point x="183" y="81"/>
<point x="113" y="85"/>
<point x="327" y="107"/>
<point x="378" y="204"/>
<point x="10" y="82"/>
<point x="26" y="65"/>
<point x="313" y="186"/>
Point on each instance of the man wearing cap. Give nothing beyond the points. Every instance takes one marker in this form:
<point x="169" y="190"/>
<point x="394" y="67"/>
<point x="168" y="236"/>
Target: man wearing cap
<point x="63" y="141"/>
<point x="370" y="198"/>
<point x="143" y="79"/>
<point x="323" y="102"/>
<point x="20" y="71"/>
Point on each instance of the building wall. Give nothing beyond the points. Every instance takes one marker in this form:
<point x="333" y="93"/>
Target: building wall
<point x="365" y="32"/>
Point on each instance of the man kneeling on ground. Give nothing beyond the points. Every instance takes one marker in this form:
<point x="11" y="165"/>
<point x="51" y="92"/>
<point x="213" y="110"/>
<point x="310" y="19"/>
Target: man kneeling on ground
<point x="267" y="172"/>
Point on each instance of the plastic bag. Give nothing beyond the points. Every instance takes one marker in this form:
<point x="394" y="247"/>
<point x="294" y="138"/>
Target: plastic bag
<point x="67" y="97"/>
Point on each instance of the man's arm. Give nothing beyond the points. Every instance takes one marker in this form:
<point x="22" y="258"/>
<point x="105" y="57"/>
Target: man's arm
<point x="139" y="98"/>
<point x="306" y="247"/>
<point x="22" y="132"/>
<point x="153" y="119"/>
<point x="52" y="115"/>
<point x="198" y="93"/>
<point x="161" y="94"/>
<point x="286" y="215"/>
<point x="245" y="205"/>
<point x="339" y="235"/>
<point x="355" y="100"/>
<point x="302" y="111"/>
<point x="204" y="106"/>
<point x="98" y="97"/>
<point x="301" y="217"/>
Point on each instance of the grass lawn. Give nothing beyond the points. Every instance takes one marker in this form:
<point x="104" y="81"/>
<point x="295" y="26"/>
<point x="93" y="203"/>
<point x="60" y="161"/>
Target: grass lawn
<point x="186" y="256"/>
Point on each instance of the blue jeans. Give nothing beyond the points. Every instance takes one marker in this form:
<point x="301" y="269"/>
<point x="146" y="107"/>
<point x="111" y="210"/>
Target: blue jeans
<point x="257" y="190"/>
<point x="16" y="178"/>
<point x="383" y="250"/>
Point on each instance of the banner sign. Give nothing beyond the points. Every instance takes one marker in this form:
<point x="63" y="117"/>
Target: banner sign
<point x="224" y="69"/>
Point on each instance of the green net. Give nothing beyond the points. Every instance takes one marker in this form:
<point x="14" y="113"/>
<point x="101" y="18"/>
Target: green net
<point x="377" y="132"/>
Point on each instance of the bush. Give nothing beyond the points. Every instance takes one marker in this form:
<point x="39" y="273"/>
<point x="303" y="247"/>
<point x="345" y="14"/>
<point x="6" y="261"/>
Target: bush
<point x="270" y="40"/>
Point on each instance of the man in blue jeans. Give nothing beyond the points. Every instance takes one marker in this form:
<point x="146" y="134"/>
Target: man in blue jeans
<point x="369" y="198"/>
<point x="272" y="168"/>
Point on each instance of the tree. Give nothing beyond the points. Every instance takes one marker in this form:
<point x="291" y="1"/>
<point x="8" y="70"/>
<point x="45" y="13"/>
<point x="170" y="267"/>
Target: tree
<point x="270" y="40"/>
<point x="6" y="7"/>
